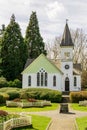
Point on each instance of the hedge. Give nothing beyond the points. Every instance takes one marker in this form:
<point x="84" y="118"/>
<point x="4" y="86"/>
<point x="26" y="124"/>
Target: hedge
<point x="75" y="97"/>
<point x="36" y="93"/>
<point x="41" y="94"/>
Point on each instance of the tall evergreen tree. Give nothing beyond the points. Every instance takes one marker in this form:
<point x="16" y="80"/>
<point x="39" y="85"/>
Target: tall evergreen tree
<point x="14" y="50"/>
<point x="33" y="38"/>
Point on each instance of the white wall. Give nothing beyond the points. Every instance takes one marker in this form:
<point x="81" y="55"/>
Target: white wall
<point x="49" y="84"/>
<point x="78" y="87"/>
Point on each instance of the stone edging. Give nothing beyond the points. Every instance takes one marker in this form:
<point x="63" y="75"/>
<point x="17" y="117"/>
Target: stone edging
<point x="76" y="126"/>
<point x="49" y="125"/>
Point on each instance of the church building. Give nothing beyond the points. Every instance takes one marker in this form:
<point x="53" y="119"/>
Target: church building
<point x="42" y="72"/>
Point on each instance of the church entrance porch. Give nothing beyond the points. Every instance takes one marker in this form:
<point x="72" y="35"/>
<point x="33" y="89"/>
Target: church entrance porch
<point x="67" y="84"/>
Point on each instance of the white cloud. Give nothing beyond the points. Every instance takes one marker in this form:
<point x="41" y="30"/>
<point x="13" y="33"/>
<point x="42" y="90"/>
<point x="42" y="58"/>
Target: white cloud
<point x="51" y="14"/>
<point x="55" y="10"/>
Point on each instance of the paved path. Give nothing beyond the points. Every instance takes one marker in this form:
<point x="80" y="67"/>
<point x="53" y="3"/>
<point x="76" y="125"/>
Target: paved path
<point x="62" y="121"/>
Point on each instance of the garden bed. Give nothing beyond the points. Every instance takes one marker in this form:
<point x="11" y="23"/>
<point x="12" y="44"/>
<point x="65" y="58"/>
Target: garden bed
<point x="28" y="103"/>
<point x="14" y="121"/>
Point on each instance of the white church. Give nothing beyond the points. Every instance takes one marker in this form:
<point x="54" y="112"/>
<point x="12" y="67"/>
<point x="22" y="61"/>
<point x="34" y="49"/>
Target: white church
<point x="43" y="73"/>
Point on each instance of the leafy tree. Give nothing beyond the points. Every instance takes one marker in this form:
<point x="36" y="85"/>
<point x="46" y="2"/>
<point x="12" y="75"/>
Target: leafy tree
<point x="33" y="38"/>
<point x="1" y="34"/>
<point x="84" y="79"/>
<point x="14" y="51"/>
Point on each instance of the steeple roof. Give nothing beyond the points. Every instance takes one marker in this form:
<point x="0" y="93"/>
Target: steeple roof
<point x="66" y="39"/>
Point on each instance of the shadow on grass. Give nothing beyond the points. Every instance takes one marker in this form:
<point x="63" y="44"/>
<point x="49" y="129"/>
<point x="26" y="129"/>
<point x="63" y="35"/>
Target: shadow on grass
<point x="25" y="128"/>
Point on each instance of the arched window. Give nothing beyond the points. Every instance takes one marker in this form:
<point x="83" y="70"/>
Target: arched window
<point x="29" y="80"/>
<point x="38" y="79"/>
<point x="54" y="80"/>
<point x="42" y="78"/>
<point x="75" y="81"/>
<point x="46" y="78"/>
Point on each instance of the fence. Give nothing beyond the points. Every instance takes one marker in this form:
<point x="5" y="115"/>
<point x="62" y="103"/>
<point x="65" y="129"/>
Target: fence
<point x="28" y="104"/>
<point x="16" y="122"/>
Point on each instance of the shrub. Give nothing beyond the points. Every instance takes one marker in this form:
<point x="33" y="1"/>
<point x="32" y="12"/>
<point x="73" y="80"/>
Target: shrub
<point x="5" y="95"/>
<point x="3" y="113"/>
<point x="13" y="95"/>
<point x="75" y="97"/>
<point x="3" y="82"/>
<point x="2" y="99"/>
<point x="16" y="83"/>
<point x="42" y="94"/>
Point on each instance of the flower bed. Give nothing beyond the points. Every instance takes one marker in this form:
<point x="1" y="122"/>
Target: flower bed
<point x="16" y="122"/>
<point x="28" y="103"/>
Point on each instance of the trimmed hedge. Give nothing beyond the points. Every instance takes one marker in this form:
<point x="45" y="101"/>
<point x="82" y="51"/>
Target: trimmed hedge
<point x="75" y="97"/>
<point x="13" y="95"/>
<point x="36" y="93"/>
<point x="41" y="94"/>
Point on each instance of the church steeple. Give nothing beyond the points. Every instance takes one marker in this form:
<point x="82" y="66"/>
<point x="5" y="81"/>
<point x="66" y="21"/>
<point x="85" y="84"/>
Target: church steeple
<point x="66" y="39"/>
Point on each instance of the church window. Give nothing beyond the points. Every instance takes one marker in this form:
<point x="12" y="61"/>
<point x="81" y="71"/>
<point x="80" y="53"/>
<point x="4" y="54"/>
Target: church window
<point x="54" y="80"/>
<point x="29" y="80"/>
<point x="67" y="54"/>
<point x="42" y="78"/>
<point x="45" y="78"/>
<point x="75" y="81"/>
<point x="38" y="79"/>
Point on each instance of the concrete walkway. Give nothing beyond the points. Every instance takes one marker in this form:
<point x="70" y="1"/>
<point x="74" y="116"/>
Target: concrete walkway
<point x="62" y="121"/>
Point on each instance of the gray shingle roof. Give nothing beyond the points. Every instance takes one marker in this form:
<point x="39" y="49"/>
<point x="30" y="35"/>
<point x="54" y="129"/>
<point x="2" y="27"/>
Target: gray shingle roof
<point x="66" y="39"/>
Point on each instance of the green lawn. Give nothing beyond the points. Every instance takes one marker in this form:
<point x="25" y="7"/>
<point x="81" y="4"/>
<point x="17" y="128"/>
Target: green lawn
<point x="82" y="123"/>
<point x="32" y="109"/>
<point x="76" y="106"/>
<point x="38" y="123"/>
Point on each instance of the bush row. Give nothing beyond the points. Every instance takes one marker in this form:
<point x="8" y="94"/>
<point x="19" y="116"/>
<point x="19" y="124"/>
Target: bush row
<point x="4" y="83"/>
<point x="40" y="94"/>
<point x="75" y="97"/>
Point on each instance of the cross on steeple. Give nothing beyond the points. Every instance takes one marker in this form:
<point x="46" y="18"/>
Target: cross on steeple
<point x="67" y="20"/>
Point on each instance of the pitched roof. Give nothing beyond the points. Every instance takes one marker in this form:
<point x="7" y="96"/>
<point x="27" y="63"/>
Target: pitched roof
<point x="28" y="62"/>
<point x="41" y="62"/>
<point x="77" y="70"/>
<point x="66" y="39"/>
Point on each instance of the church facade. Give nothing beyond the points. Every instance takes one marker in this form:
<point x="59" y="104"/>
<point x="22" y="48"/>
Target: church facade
<point x="42" y="72"/>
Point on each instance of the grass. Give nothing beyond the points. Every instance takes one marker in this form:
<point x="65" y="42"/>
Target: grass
<point x="38" y="123"/>
<point x="76" y="106"/>
<point x="82" y="123"/>
<point x="32" y="109"/>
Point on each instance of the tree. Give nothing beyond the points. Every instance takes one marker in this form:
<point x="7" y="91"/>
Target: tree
<point x="80" y="47"/>
<point x="13" y="51"/>
<point x="33" y="38"/>
<point x="84" y="79"/>
<point x="1" y="34"/>
<point x="53" y="49"/>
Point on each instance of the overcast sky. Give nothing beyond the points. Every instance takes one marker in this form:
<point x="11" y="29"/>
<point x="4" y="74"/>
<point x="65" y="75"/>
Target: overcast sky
<point x="51" y="14"/>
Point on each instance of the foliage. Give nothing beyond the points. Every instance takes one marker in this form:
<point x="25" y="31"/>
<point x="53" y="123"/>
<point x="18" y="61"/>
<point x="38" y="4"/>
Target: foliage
<point x="13" y="95"/>
<point x="79" y="38"/>
<point x="13" y="51"/>
<point x="3" y="82"/>
<point x="2" y="99"/>
<point x="84" y="79"/>
<point x="40" y="93"/>
<point x="3" y="113"/>
<point x="82" y="123"/>
<point x="33" y="38"/>
<point x="16" y="83"/>
<point x="75" y="97"/>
